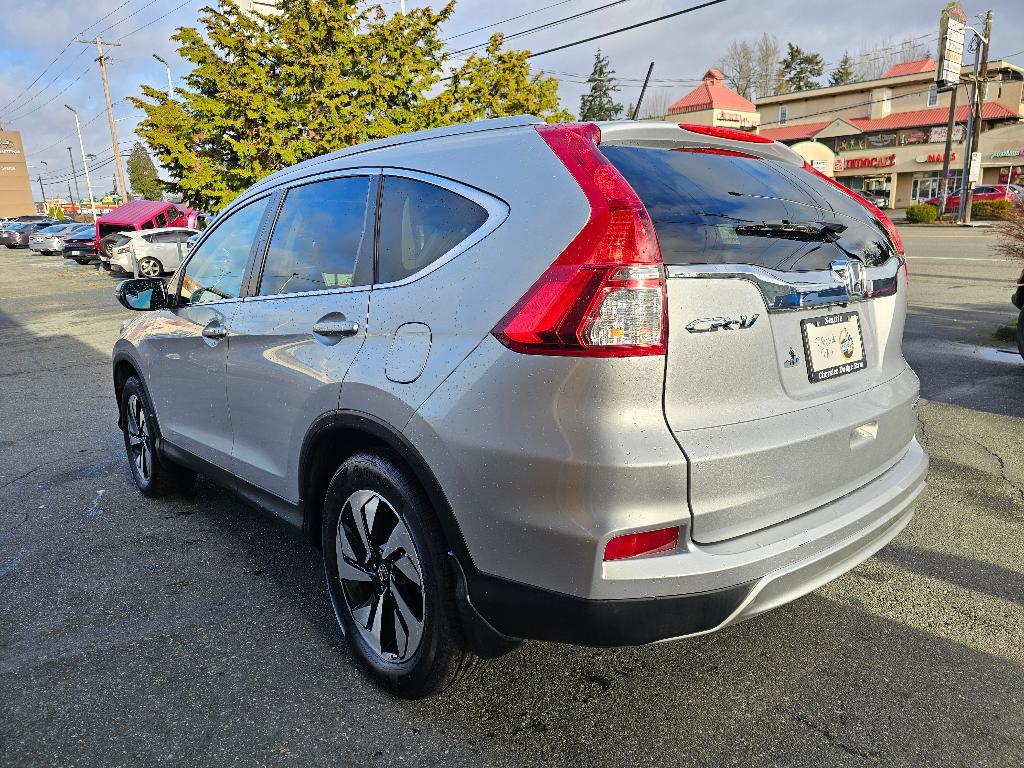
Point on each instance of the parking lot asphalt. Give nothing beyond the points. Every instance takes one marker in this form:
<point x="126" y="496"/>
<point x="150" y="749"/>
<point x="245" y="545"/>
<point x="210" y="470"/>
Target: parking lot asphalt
<point x="194" y="631"/>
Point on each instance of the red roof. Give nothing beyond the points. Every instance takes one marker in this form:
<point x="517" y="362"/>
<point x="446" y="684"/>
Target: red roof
<point x="135" y="212"/>
<point x="713" y="93"/>
<point x="918" y="118"/>
<point x="920" y="66"/>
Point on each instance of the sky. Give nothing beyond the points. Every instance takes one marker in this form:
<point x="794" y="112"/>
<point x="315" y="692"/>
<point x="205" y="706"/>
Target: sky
<point x="42" y="67"/>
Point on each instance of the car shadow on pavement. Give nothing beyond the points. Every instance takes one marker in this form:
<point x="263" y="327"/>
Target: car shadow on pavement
<point x="966" y="572"/>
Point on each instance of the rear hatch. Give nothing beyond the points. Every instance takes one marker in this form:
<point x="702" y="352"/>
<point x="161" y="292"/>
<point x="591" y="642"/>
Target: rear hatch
<point x="780" y="384"/>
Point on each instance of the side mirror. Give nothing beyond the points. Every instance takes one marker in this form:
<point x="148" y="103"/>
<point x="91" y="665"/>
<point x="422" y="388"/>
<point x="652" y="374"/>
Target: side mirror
<point x="142" y="294"/>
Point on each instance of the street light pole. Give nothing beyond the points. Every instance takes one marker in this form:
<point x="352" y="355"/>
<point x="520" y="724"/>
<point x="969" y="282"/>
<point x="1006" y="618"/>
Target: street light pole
<point x="170" y="84"/>
<point x="74" y="173"/>
<point x="85" y="163"/>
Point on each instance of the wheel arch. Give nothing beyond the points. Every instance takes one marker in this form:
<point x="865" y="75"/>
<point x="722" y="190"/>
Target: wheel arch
<point x="334" y="437"/>
<point x="124" y="369"/>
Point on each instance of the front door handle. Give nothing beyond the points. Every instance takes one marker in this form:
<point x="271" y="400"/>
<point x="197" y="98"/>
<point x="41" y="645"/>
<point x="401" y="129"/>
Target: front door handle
<point x="336" y="328"/>
<point x="215" y="332"/>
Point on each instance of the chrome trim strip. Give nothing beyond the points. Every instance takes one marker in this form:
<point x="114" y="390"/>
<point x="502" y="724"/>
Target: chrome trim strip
<point x="786" y="291"/>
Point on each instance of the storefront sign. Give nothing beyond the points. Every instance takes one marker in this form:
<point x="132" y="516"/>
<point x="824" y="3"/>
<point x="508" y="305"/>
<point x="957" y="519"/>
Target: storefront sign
<point x="913" y="137"/>
<point x="952" y="30"/>
<point x="935" y="157"/>
<point x="1009" y="153"/>
<point x="882" y="140"/>
<point x="938" y="133"/>
<point x="821" y="166"/>
<point x="846" y="143"/>
<point x="868" y="162"/>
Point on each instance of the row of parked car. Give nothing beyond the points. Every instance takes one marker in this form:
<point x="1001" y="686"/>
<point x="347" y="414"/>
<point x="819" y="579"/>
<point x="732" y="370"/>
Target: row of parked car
<point x="148" y="237"/>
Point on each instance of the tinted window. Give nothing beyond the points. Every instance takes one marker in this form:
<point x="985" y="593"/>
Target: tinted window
<point x="320" y="236"/>
<point x="217" y="266"/>
<point x="713" y="207"/>
<point x="147" y="225"/>
<point x="161" y="220"/>
<point x="419" y="223"/>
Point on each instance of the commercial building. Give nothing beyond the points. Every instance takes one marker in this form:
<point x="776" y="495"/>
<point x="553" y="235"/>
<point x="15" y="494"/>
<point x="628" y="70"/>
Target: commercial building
<point x="714" y="103"/>
<point x="15" y="187"/>
<point x="888" y="135"/>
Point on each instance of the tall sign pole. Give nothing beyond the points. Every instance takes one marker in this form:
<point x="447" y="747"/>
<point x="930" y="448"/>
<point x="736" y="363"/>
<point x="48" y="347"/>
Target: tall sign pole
<point x="74" y="173"/>
<point x="952" y="32"/>
<point x="85" y="164"/>
<point x="122" y="187"/>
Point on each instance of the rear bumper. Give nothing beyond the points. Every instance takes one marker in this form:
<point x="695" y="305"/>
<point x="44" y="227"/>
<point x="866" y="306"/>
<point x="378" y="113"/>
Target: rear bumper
<point x="729" y="582"/>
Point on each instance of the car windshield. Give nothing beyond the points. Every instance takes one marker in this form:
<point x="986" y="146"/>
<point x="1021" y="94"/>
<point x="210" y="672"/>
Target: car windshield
<point x="53" y="230"/>
<point x="15" y="227"/>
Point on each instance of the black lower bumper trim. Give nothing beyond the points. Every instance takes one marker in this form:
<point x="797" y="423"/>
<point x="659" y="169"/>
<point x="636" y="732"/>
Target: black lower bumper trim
<point x="523" y="611"/>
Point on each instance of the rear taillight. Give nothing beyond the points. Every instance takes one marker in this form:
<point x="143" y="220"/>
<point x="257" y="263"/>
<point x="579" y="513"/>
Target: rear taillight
<point x="604" y="296"/>
<point x="726" y="133"/>
<point x="894" y="234"/>
<point x="645" y="543"/>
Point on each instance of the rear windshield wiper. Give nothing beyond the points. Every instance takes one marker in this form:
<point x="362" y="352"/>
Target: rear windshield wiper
<point x="785" y="230"/>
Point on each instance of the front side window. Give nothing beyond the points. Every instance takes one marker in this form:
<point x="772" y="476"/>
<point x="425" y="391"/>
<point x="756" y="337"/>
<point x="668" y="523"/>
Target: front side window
<point x="420" y="223"/>
<point x="321" y="234"/>
<point x="217" y="266"/>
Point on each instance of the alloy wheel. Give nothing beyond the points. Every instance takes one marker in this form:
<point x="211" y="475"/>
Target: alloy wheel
<point x="139" y="441"/>
<point x="149" y="268"/>
<point x="380" y="575"/>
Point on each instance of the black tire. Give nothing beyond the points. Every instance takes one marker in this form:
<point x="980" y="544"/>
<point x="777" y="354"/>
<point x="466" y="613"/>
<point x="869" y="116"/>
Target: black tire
<point x="1020" y="334"/>
<point x="107" y="243"/>
<point x="154" y="475"/>
<point x="440" y="657"/>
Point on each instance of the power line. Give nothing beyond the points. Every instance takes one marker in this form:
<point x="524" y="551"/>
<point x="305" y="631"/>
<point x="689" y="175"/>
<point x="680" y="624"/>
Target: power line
<point x="504" y="21"/>
<point x="22" y="116"/>
<point x="158" y="18"/>
<point x="626" y="29"/>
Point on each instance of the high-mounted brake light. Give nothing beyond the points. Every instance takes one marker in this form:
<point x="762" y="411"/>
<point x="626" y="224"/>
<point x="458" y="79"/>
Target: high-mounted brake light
<point x="894" y="234"/>
<point x="645" y="543"/>
<point x="604" y="296"/>
<point x="727" y="133"/>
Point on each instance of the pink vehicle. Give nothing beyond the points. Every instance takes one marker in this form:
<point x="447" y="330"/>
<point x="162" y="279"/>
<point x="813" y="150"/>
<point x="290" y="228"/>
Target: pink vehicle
<point x="141" y="214"/>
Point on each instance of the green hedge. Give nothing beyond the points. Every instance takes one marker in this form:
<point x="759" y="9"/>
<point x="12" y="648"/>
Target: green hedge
<point x="991" y="209"/>
<point x="922" y="214"/>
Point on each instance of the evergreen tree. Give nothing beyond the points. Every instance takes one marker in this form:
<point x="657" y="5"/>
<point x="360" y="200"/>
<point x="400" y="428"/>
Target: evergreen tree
<point x="598" y="104"/>
<point x="843" y="73"/>
<point x="800" y="69"/>
<point x="142" y="175"/>
<point x="265" y="92"/>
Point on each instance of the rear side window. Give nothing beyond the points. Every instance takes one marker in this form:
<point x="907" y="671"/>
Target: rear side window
<point x="420" y="223"/>
<point x="321" y="234"/>
<point x="714" y="207"/>
<point x="161" y="220"/>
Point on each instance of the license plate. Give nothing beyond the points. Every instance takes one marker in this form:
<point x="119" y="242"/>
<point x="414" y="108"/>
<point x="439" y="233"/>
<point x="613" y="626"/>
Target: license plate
<point x="833" y="346"/>
<point x="76" y="253"/>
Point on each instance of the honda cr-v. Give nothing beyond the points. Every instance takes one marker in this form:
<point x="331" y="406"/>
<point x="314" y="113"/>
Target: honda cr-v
<point x="601" y="384"/>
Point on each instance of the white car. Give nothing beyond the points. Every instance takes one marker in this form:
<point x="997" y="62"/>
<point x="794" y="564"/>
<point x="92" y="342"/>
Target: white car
<point x="155" y="251"/>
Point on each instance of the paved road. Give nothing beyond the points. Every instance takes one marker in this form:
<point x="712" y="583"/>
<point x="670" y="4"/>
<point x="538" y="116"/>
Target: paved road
<point x="195" y="632"/>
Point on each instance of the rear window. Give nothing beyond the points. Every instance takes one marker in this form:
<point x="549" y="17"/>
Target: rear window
<point x="721" y="208"/>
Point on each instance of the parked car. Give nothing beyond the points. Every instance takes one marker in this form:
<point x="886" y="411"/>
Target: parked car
<point x="606" y="384"/>
<point x="879" y="199"/>
<point x="81" y="246"/>
<point x="981" y="192"/>
<point x="140" y="215"/>
<point x="51" y="239"/>
<point x="156" y="251"/>
<point x="16" y="234"/>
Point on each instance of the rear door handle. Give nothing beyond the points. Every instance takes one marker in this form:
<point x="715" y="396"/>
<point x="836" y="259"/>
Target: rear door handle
<point x="336" y="328"/>
<point x="215" y="332"/>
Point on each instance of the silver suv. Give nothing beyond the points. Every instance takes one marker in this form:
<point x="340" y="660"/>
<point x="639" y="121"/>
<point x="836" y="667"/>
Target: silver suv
<point x="600" y="384"/>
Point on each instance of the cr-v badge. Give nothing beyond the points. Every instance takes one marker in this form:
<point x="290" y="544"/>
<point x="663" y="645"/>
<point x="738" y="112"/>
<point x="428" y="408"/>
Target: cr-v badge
<point x="706" y="324"/>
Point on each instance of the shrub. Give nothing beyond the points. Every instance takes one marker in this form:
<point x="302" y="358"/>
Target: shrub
<point x="1011" y="235"/>
<point x="991" y="209"/>
<point x="922" y="214"/>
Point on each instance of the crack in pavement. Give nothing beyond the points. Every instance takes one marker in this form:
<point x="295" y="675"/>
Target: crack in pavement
<point x="23" y="475"/>
<point x="1002" y="467"/>
<point x="834" y="740"/>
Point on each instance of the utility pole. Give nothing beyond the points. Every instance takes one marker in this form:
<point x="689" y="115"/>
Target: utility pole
<point x="74" y="173"/>
<point x="85" y="163"/>
<point x="98" y="42"/>
<point x="41" y="190"/>
<point x="981" y="89"/>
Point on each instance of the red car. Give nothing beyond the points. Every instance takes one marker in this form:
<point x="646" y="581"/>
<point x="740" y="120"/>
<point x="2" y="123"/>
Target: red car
<point x="981" y="192"/>
<point x="141" y="214"/>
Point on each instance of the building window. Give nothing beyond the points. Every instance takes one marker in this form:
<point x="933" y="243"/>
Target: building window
<point x="783" y="114"/>
<point x="933" y="95"/>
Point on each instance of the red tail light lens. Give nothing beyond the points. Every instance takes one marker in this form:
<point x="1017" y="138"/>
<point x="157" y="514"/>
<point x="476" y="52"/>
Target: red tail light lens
<point x="604" y="296"/>
<point x="894" y="234"/>
<point x="727" y="133"/>
<point x="646" y="543"/>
